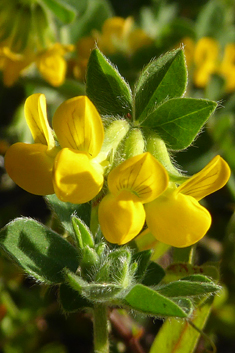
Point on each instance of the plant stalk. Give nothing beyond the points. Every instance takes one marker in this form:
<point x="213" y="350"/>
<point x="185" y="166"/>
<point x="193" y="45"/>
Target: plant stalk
<point x="100" y="327"/>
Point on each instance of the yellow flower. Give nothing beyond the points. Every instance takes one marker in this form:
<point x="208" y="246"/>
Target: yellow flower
<point x="30" y="165"/>
<point x="78" y="170"/>
<point x="74" y="171"/>
<point x="51" y="63"/>
<point x="205" y="58"/>
<point x="120" y="35"/>
<point x="227" y="68"/>
<point x="12" y="65"/>
<point x="176" y="217"/>
<point x="138" y="180"/>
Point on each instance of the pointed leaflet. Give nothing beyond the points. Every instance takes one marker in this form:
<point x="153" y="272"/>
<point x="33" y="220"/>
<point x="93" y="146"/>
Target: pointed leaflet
<point x="186" y="288"/>
<point x="178" y="336"/>
<point x="178" y="120"/>
<point x="150" y="302"/>
<point x="106" y="88"/>
<point x="162" y="79"/>
<point x="42" y="253"/>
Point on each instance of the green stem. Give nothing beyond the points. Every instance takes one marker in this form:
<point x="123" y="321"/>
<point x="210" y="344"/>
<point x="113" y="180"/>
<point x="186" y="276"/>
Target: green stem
<point x="100" y="326"/>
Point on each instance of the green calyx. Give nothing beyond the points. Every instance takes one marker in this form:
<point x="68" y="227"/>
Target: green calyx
<point x="134" y="143"/>
<point x="157" y="147"/>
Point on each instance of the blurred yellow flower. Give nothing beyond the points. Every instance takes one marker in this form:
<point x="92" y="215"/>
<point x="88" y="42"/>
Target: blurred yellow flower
<point x="30" y="165"/>
<point x="118" y="35"/>
<point x="204" y="56"/>
<point x="206" y="60"/>
<point x="138" y="180"/>
<point x="176" y="217"/>
<point x="121" y="35"/>
<point x="50" y="63"/>
<point x="227" y="67"/>
<point x="13" y="64"/>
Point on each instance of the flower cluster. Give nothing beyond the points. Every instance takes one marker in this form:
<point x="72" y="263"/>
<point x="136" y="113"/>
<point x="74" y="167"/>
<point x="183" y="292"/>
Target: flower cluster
<point x="205" y="56"/>
<point x="50" y="63"/>
<point x="139" y="190"/>
<point x="72" y="167"/>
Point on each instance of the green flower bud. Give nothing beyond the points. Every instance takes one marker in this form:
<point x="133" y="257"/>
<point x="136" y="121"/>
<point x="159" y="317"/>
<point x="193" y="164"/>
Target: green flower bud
<point x="114" y="134"/>
<point x="90" y="261"/>
<point x="134" y="144"/>
<point x="157" y="147"/>
<point x="120" y="271"/>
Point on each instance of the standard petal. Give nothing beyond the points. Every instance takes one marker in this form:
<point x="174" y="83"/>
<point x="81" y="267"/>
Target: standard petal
<point x="78" y="125"/>
<point x="121" y="218"/>
<point x="76" y="179"/>
<point x="143" y="175"/>
<point x="177" y="219"/>
<point x="30" y="167"/>
<point x="36" y="117"/>
<point x="210" y="179"/>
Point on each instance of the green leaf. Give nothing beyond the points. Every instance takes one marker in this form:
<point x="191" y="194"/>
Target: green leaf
<point x="162" y="79"/>
<point x="142" y="259"/>
<point x="71" y="300"/>
<point x="178" y="336"/>
<point x="65" y="210"/>
<point x="150" y="302"/>
<point x="106" y="88"/>
<point x="179" y="120"/>
<point x="62" y="10"/>
<point x="41" y="252"/>
<point x="153" y="275"/>
<point x="82" y="233"/>
<point x="187" y="288"/>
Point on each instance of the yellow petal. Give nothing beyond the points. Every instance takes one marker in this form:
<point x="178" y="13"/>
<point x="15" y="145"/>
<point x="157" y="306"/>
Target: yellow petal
<point x="227" y="68"/>
<point x="36" y="117"/>
<point x="143" y="175"/>
<point x="76" y="179"/>
<point x="205" y="57"/>
<point x="52" y="67"/>
<point x="30" y="167"/>
<point x="13" y="65"/>
<point x="78" y="125"/>
<point x="177" y="219"/>
<point x="121" y="218"/>
<point x="211" y="178"/>
<point x="206" y="50"/>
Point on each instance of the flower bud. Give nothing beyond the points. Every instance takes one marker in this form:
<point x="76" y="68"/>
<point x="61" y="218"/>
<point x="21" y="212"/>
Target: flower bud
<point x="134" y="144"/>
<point x="114" y="134"/>
<point x="90" y="259"/>
<point x="157" y="147"/>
